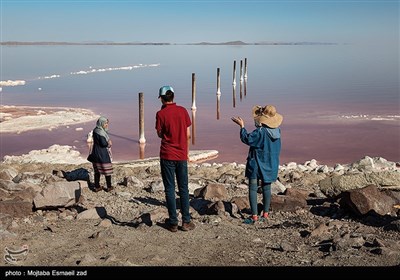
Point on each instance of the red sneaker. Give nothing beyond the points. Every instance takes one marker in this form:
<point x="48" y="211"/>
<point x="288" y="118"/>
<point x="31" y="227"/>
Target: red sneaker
<point x="251" y="220"/>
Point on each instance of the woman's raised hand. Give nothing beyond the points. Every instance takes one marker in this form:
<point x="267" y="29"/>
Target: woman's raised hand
<point x="238" y="120"/>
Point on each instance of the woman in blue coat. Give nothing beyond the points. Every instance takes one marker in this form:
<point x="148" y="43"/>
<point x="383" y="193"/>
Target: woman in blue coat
<point x="263" y="158"/>
<point x="100" y="156"/>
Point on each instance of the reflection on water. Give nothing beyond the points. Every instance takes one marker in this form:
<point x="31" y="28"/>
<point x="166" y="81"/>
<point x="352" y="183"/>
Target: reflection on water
<point x="241" y="90"/>
<point x="141" y="150"/>
<point x="234" y="95"/>
<point x="245" y="86"/>
<point x="193" y="127"/>
<point x="218" y="105"/>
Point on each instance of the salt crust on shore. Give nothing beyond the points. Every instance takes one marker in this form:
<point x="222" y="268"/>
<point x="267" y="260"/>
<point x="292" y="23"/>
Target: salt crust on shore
<point x="16" y="119"/>
<point x="57" y="154"/>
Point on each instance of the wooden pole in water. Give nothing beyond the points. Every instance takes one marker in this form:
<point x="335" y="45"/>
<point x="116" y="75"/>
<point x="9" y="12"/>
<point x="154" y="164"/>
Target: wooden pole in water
<point x="193" y="136"/>
<point x="234" y="73"/>
<point x="193" y="92"/>
<point x="245" y="68"/>
<point x="218" y="82"/>
<point x="141" y="118"/>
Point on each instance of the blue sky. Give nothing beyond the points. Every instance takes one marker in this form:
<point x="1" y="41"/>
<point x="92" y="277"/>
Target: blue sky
<point x="340" y="21"/>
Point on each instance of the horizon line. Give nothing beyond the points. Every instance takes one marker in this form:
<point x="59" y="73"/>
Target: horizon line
<point x="238" y="43"/>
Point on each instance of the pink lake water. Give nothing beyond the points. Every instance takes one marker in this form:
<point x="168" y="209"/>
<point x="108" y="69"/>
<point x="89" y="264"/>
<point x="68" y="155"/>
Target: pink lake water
<point x="340" y="103"/>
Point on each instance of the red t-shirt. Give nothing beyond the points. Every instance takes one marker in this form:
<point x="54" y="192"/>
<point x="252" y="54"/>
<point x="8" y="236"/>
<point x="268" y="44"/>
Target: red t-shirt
<point x="173" y="120"/>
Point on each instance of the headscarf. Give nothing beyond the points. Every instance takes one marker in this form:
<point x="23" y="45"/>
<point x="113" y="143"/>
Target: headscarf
<point x="100" y="130"/>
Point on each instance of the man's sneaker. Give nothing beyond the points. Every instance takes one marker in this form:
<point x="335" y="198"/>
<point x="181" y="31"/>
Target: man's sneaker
<point x="171" y="227"/>
<point x="188" y="226"/>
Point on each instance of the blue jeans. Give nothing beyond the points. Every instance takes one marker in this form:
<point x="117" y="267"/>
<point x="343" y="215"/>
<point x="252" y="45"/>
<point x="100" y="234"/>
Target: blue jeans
<point x="170" y="169"/>
<point x="266" y="191"/>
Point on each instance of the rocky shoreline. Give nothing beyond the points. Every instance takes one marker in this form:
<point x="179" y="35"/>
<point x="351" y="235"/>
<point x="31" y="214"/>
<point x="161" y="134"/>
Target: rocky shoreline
<point x="342" y="215"/>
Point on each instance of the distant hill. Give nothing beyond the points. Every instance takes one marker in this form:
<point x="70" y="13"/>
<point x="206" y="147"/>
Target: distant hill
<point x="223" y="43"/>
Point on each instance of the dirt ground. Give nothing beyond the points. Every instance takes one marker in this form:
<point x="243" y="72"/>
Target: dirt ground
<point x="55" y="238"/>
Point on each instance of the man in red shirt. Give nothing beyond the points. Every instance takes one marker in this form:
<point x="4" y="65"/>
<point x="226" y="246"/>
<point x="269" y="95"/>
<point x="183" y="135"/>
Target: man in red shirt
<point x="172" y="126"/>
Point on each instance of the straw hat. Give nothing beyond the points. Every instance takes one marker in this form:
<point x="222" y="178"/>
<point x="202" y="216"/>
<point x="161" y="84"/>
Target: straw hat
<point x="267" y="115"/>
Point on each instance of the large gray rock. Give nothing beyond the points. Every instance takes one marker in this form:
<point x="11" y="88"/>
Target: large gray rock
<point x="368" y="199"/>
<point x="10" y="186"/>
<point x="373" y="164"/>
<point x="8" y="173"/>
<point x="59" y="194"/>
<point x="92" y="214"/>
<point x="333" y="186"/>
<point x="242" y="202"/>
<point x="212" y="192"/>
<point x="384" y="178"/>
<point x="16" y="208"/>
<point x="287" y="203"/>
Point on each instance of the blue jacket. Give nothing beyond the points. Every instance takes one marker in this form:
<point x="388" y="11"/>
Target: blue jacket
<point x="264" y="151"/>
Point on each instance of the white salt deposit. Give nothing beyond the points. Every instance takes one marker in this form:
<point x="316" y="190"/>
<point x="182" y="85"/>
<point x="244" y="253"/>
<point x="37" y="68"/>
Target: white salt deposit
<point x="10" y="83"/>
